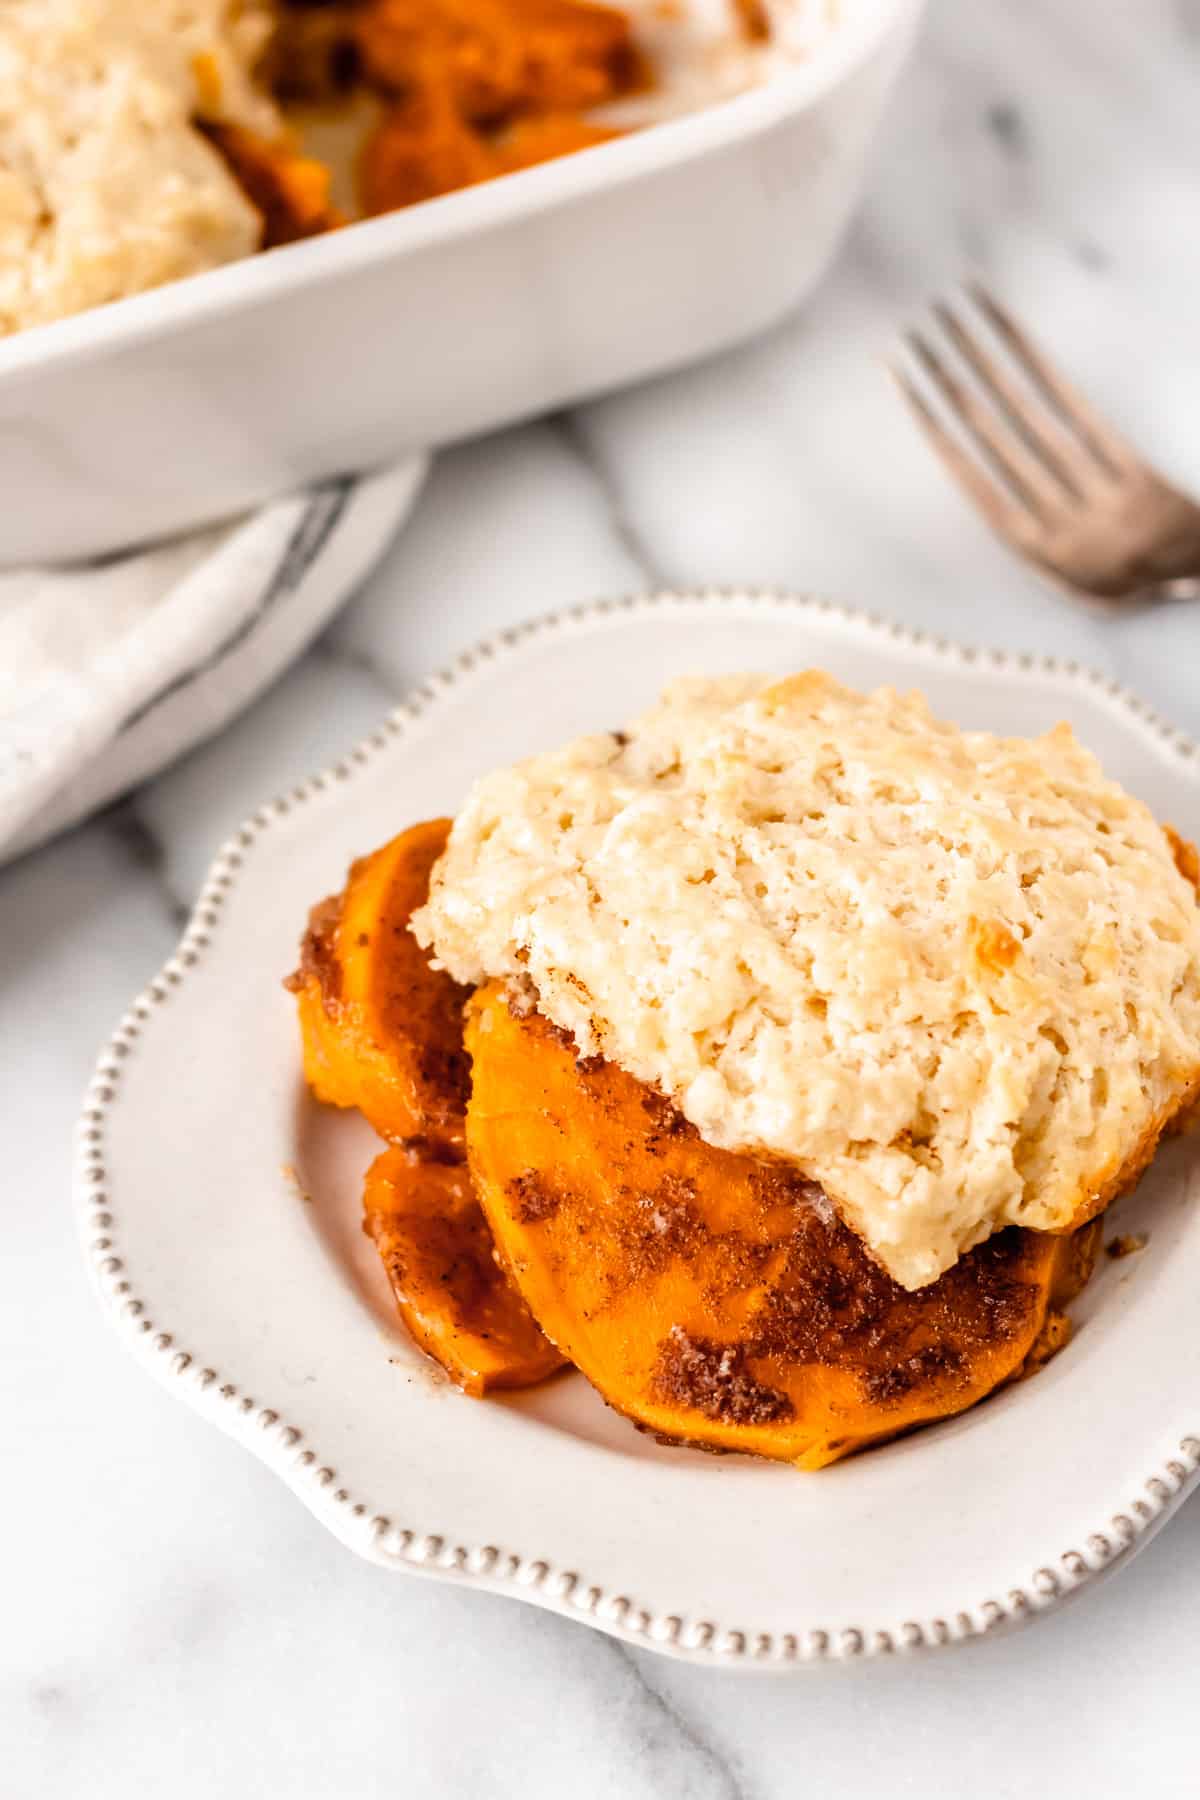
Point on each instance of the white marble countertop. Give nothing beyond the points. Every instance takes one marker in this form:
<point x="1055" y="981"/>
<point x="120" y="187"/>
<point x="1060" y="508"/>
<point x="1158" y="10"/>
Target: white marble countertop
<point x="174" y="1621"/>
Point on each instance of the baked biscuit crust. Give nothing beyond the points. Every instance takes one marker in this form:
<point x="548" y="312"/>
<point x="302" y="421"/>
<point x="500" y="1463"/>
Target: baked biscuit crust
<point x="952" y="977"/>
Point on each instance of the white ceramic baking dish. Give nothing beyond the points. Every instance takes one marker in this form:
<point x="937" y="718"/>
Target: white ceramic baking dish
<point x="172" y="408"/>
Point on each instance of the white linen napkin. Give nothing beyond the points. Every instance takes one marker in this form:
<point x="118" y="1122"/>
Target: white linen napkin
<point x="111" y="669"/>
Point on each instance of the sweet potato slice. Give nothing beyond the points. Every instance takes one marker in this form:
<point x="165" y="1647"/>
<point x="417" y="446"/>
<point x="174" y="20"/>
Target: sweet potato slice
<point x="456" y="1301"/>
<point x="495" y="58"/>
<point x="716" y="1299"/>
<point x="424" y="147"/>
<point x="291" y="191"/>
<point x="382" y="1031"/>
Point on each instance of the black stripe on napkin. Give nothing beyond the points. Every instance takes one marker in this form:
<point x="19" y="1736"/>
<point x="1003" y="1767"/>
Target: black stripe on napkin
<point x="312" y="532"/>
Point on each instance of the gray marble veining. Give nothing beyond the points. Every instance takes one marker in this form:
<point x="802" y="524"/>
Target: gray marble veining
<point x="174" y="1621"/>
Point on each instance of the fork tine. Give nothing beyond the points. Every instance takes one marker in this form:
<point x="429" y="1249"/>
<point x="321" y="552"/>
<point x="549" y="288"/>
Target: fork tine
<point x="1063" y="456"/>
<point x="1107" y="446"/>
<point x="998" y="508"/>
<point x="1000" y="445"/>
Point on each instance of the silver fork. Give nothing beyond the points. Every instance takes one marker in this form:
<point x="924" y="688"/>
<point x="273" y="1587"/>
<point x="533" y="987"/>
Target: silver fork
<point x="1048" y="474"/>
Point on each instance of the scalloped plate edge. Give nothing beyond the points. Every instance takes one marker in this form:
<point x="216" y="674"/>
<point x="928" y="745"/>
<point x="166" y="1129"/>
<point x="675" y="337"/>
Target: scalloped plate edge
<point x="263" y="1429"/>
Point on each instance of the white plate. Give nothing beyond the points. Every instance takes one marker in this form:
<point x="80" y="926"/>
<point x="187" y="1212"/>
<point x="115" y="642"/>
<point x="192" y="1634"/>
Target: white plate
<point x="220" y="1211"/>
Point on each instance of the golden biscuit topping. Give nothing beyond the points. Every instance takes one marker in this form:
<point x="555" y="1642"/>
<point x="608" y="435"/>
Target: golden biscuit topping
<point x="952" y="977"/>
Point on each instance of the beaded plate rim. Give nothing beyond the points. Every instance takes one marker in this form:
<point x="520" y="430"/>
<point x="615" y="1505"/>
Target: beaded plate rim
<point x="264" y="1429"/>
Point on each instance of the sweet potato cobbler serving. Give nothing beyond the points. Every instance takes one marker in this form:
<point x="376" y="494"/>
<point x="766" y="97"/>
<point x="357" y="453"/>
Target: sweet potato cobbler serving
<point x="142" y="142"/>
<point x="770" y="1061"/>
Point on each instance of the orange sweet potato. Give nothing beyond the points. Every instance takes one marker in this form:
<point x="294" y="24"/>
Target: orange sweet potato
<point x="382" y="1031"/>
<point x="424" y="147"/>
<point x="480" y="88"/>
<point x="457" y="1303"/>
<point x="494" y="58"/>
<point x="291" y="191"/>
<point x="420" y="149"/>
<point x="716" y="1299"/>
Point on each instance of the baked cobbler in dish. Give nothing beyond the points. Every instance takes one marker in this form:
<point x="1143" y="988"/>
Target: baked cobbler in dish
<point x="144" y="140"/>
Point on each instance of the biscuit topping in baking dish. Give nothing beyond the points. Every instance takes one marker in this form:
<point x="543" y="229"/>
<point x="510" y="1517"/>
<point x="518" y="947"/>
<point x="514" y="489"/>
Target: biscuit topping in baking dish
<point x="144" y="140"/>
<point x="952" y="977"/>
<point x="106" y="185"/>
